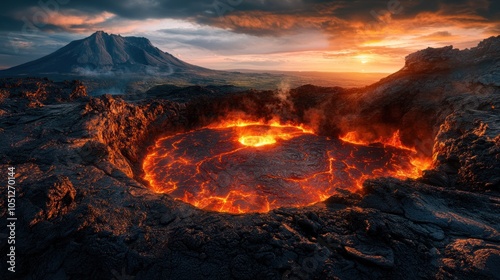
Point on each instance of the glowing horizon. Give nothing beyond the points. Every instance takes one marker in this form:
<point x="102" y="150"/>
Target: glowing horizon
<point x="333" y="36"/>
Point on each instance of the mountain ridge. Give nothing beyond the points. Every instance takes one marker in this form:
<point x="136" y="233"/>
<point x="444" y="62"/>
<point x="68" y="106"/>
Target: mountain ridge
<point x="102" y="52"/>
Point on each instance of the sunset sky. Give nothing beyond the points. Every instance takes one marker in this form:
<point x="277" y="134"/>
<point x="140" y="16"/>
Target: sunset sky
<point x="289" y="35"/>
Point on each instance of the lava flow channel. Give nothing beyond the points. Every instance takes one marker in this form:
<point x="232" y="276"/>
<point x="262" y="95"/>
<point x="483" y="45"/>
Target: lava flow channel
<point x="253" y="167"/>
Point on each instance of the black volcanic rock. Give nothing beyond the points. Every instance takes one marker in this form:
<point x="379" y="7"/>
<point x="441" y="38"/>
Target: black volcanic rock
<point x="431" y="59"/>
<point x="55" y="197"/>
<point x="435" y="59"/>
<point x="103" y="53"/>
<point x="35" y="92"/>
<point x="185" y="94"/>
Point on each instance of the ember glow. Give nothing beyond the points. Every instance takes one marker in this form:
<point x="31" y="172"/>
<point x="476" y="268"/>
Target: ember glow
<point x="241" y="167"/>
<point x="394" y="141"/>
<point x="418" y="161"/>
<point x="257" y="134"/>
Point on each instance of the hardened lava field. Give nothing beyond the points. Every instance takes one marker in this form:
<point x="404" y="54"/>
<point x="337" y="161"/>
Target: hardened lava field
<point x="256" y="167"/>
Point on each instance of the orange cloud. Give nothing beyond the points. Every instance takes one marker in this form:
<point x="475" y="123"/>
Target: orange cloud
<point x="384" y="41"/>
<point x="265" y="23"/>
<point x="67" y="19"/>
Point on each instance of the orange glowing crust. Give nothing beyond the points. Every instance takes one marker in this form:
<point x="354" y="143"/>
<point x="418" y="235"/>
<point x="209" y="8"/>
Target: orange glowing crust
<point x="171" y="170"/>
<point x="420" y="163"/>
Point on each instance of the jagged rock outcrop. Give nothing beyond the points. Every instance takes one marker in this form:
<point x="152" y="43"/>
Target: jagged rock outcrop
<point x="467" y="150"/>
<point x="125" y="129"/>
<point x="432" y="59"/>
<point x="55" y="197"/>
<point x="447" y="58"/>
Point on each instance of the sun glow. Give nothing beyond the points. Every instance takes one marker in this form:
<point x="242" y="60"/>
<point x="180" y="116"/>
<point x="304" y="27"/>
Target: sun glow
<point x="364" y="59"/>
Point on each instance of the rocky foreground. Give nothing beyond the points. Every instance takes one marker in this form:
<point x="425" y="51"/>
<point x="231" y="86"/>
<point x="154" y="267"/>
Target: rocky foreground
<point x="83" y="211"/>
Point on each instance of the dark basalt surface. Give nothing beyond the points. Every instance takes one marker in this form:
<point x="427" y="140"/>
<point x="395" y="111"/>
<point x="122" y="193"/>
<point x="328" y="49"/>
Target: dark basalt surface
<point x="206" y="165"/>
<point x="84" y="212"/>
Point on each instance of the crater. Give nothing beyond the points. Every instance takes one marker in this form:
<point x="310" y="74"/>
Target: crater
<point x="242" y="167"/>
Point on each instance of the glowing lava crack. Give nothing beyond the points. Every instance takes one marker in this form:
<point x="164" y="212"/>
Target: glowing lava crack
<point x="252" y="167"/>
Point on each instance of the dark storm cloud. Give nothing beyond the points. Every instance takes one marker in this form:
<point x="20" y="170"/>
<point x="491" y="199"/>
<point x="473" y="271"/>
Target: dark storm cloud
<point x="341" y="17"/>
<point x="261" y="18"/>
<point x="208" y="11"/>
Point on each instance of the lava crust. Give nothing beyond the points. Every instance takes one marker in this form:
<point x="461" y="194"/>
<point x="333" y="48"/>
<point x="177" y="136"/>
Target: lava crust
<point x="219" y="169"/>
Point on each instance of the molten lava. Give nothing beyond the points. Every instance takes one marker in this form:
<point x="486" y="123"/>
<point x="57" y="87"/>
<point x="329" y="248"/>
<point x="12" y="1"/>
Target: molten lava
<point x="241" y="167"/>
<point x="254" y="134"/>
<point x="394" y="141"/>
<point x="257" y="141"/>
<point x="419" y="162"/>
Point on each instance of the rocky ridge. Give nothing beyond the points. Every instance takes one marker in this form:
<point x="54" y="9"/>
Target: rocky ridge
<point x="104" y="54"/>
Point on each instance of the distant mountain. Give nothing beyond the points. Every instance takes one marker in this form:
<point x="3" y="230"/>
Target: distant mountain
<point x="106" y="53"/>
<point x="109" y="63"/>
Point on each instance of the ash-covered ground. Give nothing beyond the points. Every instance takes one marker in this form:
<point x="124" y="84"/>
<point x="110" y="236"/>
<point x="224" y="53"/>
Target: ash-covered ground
<point x="84" y="212"/>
